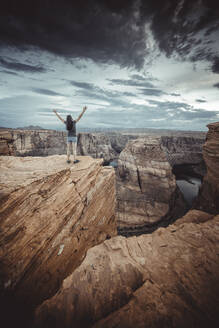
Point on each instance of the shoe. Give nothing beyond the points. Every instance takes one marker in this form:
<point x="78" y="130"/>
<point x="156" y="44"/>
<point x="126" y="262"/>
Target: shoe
<point x="68" y="161"/>
<point x="76" y="161"/>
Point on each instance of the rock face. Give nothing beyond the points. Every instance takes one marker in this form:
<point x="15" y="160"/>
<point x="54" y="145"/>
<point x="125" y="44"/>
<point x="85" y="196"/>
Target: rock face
<point x="146" y="187"/>
<point x="96" y="145"/>
<point x="51" y="213"/>
<point x="167" y="279"/>
<point x="32" y="142"/>
<point x="208" y="199"/>
<point x="185" y="152"/>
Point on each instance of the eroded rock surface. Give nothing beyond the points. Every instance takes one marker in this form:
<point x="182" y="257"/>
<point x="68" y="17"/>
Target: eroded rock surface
<point x="96" y="145"/>
<point x="32" y="142"/>
<point x="146" y="187"/>
<point x="208" y="199"/>
<point x="51" y="213"/>
<point x="167" y="279"/>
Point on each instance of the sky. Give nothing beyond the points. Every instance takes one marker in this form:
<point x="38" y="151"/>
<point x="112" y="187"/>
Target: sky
<point x="133" y="63"/>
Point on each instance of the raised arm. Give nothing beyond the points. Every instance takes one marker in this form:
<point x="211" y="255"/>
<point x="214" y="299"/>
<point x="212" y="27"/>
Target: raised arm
<point x="59" y="117"/>
<point x="80" y="116"/>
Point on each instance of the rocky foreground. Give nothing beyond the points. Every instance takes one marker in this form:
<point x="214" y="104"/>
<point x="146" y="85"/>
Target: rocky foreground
<point x="167" y="279"/>
<point x="51" y="214"/>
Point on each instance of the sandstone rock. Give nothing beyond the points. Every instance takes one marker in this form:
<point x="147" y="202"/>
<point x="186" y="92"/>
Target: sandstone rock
<point x="208" y="199"/>
<point x="146" y="187"/>
<point x="183" y="150"/>
<point x="6" y="142"/>
<point x="51" y="213"/>
<point x="96" y="145"/>
<point x="166" y="279"/>
<point x="32" y="142"/>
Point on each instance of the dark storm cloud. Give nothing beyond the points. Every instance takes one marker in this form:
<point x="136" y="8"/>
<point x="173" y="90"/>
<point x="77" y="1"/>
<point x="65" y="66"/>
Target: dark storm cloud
<point x="111" y="30"/>
<point x="216" y="85"/>
<point x="101" y="30"/>
<point x="201" y="101"/>
<point x="46" y="92"/>
<point x="181" y="26"/>
<point x="16" y="66"/>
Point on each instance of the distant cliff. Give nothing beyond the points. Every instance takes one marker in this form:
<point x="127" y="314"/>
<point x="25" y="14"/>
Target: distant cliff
<point x="181" y="148"/>
<point x="32" y="142"/>
<point x="51" y="214"/>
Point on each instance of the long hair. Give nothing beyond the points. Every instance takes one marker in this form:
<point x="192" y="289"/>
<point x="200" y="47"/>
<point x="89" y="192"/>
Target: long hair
<point x="69" y="122"/>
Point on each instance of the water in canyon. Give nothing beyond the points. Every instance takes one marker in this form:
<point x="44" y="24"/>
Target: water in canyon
<point x="189" y="186"/>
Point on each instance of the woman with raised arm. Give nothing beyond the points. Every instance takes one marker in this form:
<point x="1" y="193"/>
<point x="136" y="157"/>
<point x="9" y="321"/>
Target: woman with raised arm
<point x="70" y="124"/>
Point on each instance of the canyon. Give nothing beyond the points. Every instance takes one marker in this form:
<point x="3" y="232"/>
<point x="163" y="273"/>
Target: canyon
<point x="61" y="258"/>
<point x="141" y="206"/>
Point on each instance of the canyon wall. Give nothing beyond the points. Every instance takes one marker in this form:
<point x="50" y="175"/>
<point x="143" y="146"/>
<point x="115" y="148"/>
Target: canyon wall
<point x="51" y="214"/>
<point x="185" y="152"/>
<point x="169" y="278"/>
<point x="181" y="148"/>
<point x="146" y="187"/>
<point x="208" y="199"/>
<point x="32" y="142"/>
<point x="96" y="145"/>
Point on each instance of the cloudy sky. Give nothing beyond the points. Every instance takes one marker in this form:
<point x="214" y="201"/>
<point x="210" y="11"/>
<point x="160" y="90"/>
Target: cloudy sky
<point x="134" y="63"/>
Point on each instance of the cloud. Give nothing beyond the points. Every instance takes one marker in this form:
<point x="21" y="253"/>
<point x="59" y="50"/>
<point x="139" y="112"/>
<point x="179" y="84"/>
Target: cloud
<point x="21" y="67"/>
<point x="112" y="31"/>
<point x="200" y="100"/>
<point x="132" y="82"/>
<point x="215" y="65"/>
<point x="84" y="85"/>
<point x="175" y="94"/>
<point x="152" y="92"/>
<point x="47" y="92"/>
<point x="100" y="30"/>
<point x="9" y="72"/>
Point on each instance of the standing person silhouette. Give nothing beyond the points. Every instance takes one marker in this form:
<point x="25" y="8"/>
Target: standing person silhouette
<point x="70" y="124"/>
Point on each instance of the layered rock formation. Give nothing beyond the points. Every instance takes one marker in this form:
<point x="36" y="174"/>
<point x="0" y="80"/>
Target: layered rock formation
<point x="146" y="187"/>
<point x="51" y="213"/>
<point x="32" y="142"/>
<point x="185" y="153"/>
<point x="181" y="147"/>
<point x="167" y="279"/>
<point x="208" y="199"/>
<point x="97" y="145"/>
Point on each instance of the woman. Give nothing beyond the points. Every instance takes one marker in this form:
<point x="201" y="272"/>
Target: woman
<point x="72" y="136"/>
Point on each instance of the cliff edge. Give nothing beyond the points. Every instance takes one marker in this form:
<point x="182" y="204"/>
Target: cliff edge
<point x="51" y="214"/>
<point x="208" y="199"/>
